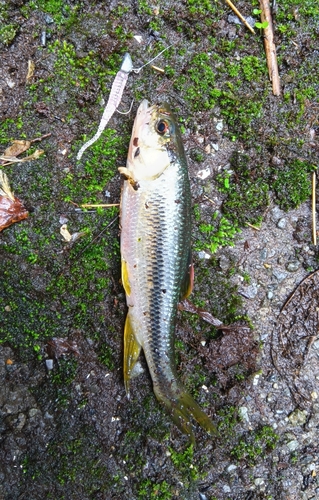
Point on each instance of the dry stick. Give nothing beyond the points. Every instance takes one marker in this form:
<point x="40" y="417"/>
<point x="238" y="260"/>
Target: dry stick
<point x="232" y="6"/>
<point x="314" y="229"/>
<point x="254" y="227"/>
<point x="270" y="47"/>
<point x="101" y="205"/>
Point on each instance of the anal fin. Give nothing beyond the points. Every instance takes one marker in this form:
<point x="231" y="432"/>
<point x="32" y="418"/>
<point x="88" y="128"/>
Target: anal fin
<point x="132" y="351"/>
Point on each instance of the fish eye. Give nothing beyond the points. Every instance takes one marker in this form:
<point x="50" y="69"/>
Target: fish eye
<point x="162" y="127"/>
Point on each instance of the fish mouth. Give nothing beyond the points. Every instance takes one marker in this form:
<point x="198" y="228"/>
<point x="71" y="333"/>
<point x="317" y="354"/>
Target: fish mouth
<point x="143" y="106"/>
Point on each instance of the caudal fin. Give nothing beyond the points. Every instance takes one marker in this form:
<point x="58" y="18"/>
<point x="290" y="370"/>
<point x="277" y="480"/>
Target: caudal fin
<point x="182" y="408"/>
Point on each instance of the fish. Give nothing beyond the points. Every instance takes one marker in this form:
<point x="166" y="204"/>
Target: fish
<point x="156" y="257"/>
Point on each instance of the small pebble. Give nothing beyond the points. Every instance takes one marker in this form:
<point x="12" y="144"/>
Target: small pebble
<point x="298" y="417"/>
<point x="33" y="412"/>
<point x="259" y="481"/>
<point x="293" y="445"/>
<point x="256" y="379"/>
<point x="249" y="292"/>
<point x="243" y="412"/>
<point x="43" y="38"/>
<point x="231" y="467"/>
<point x="226" y="488"/>
<point x="293" y="266"/>
<point x="235" y="20"/>
<point x="48" y="19"/>
<point x="10" y="83"/>
<point x="49" y="364"/>
<point x="279" y="275"/>
<point x="219" y="125"/>
<point x="215" y="146"/>
<point x="282" y="223"/>
<point x="270" y="295"/>
<point x="202" y="496"/>
<point x="203" y="174"/>
<point x="63" y="219"/>
<point x="203" y="255"/>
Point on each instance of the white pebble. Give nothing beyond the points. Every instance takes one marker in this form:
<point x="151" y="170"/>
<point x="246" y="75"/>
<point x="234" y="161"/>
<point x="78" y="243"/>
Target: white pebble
<point x="219" y="125"/>
<point x="203" y="174"/>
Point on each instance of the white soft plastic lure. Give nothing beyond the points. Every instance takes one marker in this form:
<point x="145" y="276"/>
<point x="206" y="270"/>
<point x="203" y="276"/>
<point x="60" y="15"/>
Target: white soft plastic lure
<point x="115" y="96"/>
<point x="113" y="102"/>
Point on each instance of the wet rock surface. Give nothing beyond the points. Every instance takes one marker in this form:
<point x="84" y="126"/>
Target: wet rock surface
<point x="67" y="429"/>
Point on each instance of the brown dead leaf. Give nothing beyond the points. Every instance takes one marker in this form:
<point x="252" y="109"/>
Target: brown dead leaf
<point x="11" y="208"/>
<point x="8" y="160"/>
<point x="17" y="148"/>
<point x="31" y="68"/>
<point x="58" y="347"/>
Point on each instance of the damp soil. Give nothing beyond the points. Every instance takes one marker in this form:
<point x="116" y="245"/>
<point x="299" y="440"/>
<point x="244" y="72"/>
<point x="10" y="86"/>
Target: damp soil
<point x="67" y="429"/>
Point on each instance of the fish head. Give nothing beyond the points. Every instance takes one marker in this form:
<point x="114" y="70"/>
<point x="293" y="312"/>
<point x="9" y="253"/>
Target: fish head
<point x="153" y="133"/>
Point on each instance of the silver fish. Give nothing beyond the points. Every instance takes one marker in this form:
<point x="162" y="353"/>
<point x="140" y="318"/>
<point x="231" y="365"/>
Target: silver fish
<point x="157" y="269"/>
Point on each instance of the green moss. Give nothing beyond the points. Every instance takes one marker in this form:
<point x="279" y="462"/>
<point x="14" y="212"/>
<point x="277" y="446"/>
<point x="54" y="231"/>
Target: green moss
<point x="203" y="8"/>
<point x="65" y="372"/>
<point x="70" y="456"/>
<point x="255" y="444"/>
<point x="8" y="33"/>
<point x="184" y="462"/>
<point x="59" y="10"/>
<point x="149" y="489"/>
<point x="247" y="190"/>
<point x="87" y="182"/>
<point x="292" y="183"/>
<point x="106" y="356"/>
<point x="198" y="84"/>
<point x="218" y="234"/>
<point x="228" y="419"/>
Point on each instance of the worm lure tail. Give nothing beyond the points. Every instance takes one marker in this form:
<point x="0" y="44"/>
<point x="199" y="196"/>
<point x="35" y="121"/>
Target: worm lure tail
<point x="113" y="102"/>
<point x="115" y="97"/>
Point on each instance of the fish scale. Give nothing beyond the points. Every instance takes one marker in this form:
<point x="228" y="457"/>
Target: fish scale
<point x="155" y="252"/>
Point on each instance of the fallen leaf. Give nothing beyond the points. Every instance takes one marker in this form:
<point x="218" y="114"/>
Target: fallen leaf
<point x="8" y="160"/>
<point x="11" y="208"/>
<point x="57" y="347"/>
<point x="31" y="68"/>
<point x="17" y="148"/>
<point x="70" y="238"/>
<point x="65" y="232"/>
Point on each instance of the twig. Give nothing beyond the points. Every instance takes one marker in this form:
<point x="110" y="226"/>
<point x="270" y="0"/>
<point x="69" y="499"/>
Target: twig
<point x="254" y="227"/>
<point x="232" y="6"/>
<point x="314" y="229"/>
<point x="212" y="201"/>
<point x="270" y="47"/>
<point x="37" y="139"/>
<point x="102" y="205"/>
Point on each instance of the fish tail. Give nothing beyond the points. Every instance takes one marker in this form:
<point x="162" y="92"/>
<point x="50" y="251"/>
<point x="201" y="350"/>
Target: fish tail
<point x="182" y="408"/>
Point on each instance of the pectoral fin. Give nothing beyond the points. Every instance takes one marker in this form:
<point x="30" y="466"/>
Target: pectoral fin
<point x="132" y="351"/>
<point x="188" y="281"/>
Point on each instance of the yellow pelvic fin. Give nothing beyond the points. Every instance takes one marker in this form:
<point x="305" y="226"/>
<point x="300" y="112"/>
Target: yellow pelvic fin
<point x="188" y="280"/>
<point x="132" y="351"/>
<point x="125" y="278"/>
